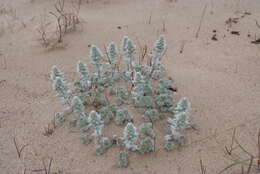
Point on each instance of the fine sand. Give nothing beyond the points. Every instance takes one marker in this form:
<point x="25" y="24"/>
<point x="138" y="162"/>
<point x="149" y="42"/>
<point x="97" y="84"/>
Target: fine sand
<point x="221" y="78"/>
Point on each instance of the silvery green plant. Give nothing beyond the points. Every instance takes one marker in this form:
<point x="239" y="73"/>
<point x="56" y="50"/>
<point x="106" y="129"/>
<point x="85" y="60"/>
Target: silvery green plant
<point x="165" y="85"/>
<point x="129" y="52"/>
<point x="146" y="144"/>
<point x="124" y="44"/>
<point x="112" y="54"/>
<point x="100" y="99"/>
<point x="60" y="86"/>
<point x="179" y="122"/>
<point x="159" y="50"/>
<point x="159" y="71"/>
<point x="82" y="69"/>
<point x="142" y="85"/>
<point x="146" y="129"/>
<point x="123" y="116"/>
<point x="96" y="58"/>
<point x="77" y="106"/>
<point x="84" y="82"/>
<point x="59" y="117"/>
<point x="107" y="113"/>
<point x="112" y="92"/>
<point x="86" y="139"/>
<point x="130" y="137"/>
<point x="138" y="78"/>
<point x="144" y="102"/>
<point x="119" y="141"/>
<point x="96" y="123"/>
<point x="122" y="95"/>
<point x="151" y="115"/>
<point x="164" y="102"/>
<point x="55" y="72"/>
<point x="146" y="138"/>
<point x="122" y="159"/>
<point x="104" y="144"/>
<point x="62" y="90"/>
<point x="183" y="105"/>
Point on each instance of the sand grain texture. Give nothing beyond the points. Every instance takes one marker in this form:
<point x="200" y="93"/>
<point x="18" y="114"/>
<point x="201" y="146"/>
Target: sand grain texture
<point x="221" y="78"/>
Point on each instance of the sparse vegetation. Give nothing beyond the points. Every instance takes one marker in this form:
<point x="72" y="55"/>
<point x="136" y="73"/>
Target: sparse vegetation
<point x="141" y="85"/>
<point x="245" y="159"/>
<point x="66" y="20"/>
<point x="117" y="109"/>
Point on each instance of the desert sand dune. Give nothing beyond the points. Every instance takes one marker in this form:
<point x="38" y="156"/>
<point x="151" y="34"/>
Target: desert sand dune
<point x="220" y="76"/>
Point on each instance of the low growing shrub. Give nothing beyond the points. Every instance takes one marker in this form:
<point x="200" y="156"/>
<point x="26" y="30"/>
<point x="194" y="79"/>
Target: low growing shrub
<point x="110" y="94"/>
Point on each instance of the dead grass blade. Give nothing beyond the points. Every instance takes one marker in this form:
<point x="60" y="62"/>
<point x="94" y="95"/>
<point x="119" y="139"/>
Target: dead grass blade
<point x="233" y="164"/>
<point x="229" y="151"/>
<point x="201" y="20"/>
<point x="250" y="165"/>
<point x="258" y="161"/>
<point x="257" y="24"/>
<point x="242" y="148"/>
<point x="202" y="167"/>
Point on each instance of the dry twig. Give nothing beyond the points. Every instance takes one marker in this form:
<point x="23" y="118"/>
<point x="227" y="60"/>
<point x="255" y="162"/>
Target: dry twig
<point x="66" y="21"/>
<point x="18" y="149"/>
<point x="182" y="47"/>
<point x="150" y="19"/>
<point x="164" y="26"/>
<point x="46" y="169"/>
<point x="48" y="131"/>
<point x="237" y="160"/>
<point x="42" y="30"/>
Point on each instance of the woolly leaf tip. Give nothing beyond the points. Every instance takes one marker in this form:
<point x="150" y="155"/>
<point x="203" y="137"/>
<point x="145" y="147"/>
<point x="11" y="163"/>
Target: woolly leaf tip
<point x="96" y="123"/>
<point x="82" y="68"/>
<point x="112" y="52"/>
<point x="77" y="106"/>
<point x="55" y="72"/>
<point x="95" y="54"/>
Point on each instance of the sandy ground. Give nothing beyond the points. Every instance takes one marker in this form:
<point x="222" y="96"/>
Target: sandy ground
<point x="221" y="78"/>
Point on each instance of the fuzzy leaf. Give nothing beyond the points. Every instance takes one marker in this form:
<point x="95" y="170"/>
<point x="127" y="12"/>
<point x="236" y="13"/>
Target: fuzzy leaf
<point x="59" y="117"/>
<point x="62" y="90"/>
<point x="151" y="115"/>
<point x="147" y="129"/>
<point x="106" y="114"/>
<point x="82" y="69"/>
<point x="77" y="106"/>
<point x="55" y="72"/>
<point x="144" y="101"/>
<point x="86" y="139"/>
<point x="96" y="123"/>
<point x="112" y="53"/>
<point x="146" y="144"/>
<point x="122" y="159"/>
<point x="130" y="136"/>
<point x="123" y="116"/>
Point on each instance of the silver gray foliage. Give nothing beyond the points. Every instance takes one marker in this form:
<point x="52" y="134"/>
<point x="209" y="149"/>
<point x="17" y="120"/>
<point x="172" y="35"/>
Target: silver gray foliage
<point x="123" y="116"/>
<point x="130" y="136"/>
<point x="122" y="159"/>
<point x="118" y="80"/>
<point x="179" y="122"/>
